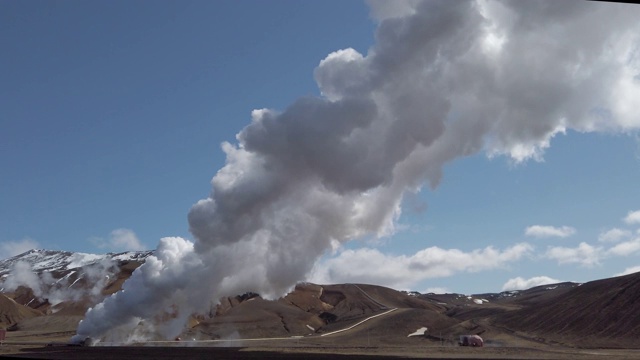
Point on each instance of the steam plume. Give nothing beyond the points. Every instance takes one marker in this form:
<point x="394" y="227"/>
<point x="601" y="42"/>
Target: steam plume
<point x="445" y="79"/>
<point x="46" y="287"/>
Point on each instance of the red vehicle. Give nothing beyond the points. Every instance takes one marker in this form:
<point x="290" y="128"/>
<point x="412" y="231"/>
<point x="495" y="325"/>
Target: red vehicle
<point x="471" y="340"/>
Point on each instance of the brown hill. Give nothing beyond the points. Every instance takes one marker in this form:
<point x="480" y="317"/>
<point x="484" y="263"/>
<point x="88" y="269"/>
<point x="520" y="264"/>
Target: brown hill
<point x="313" y="309"/>
<point x="598" y="313"/>
<point x="75" y="285"/>
<point x="258" y="318"/>
<point x="11" y="312"/>
<point x="603" y="313"/>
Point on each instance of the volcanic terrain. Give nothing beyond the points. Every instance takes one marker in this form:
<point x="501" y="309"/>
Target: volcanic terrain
<point x="551" y="321"/>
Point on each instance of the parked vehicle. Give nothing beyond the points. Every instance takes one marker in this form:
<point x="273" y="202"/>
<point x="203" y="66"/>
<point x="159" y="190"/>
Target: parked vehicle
<point x="471" y="340"/>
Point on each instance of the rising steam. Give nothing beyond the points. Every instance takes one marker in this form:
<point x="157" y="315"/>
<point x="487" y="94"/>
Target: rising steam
<point x="445" y="79"/>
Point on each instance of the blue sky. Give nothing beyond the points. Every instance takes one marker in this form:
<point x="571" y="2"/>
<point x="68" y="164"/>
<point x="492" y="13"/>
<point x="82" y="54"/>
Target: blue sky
<point x="112" y="115"/>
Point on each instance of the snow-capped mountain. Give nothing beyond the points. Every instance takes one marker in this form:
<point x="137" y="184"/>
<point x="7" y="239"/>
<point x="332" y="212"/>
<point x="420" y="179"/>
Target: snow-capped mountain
<point x="40" y="282"/>
<point x="47" y="279"/>
<point x="62" y="261"/>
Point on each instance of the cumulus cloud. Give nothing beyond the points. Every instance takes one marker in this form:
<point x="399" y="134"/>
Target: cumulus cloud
<point x="584" y="254"/>
<point x="520" y="283"/>
<point x="633" y="217"/>
<point x="629" y="270"/>
<point x="120" y="240"/>
<point x="590" y="255"/>
<point x="437" y="290"/>
<point x="614" y="235"/>
<point x="542" y="231"/>
<point x="626" y="248"/>
<point x="444" y="79"/>
<point x="371" y="266"/>
<point x="16" y="247"/>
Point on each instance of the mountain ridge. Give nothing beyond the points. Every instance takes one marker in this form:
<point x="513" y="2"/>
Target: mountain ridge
<point x="58" y="260"/>
<point x="603" y="311"/>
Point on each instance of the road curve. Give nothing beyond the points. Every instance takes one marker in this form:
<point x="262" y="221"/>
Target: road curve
<point x="184" y="343"/>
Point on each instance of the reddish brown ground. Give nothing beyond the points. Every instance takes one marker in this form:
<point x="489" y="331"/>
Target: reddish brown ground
<point x="598" y="320"/>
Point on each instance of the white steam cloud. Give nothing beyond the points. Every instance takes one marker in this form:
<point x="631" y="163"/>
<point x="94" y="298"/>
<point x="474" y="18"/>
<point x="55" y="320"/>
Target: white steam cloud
<point x="93" y="277"/>
<point x="445" y="79"/>
<point x="22" y="275"/>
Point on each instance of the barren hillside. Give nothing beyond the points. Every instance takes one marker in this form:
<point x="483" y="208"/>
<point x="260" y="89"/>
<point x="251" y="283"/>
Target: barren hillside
<point x="599" y="313"/>
<point x="603" y="313"/>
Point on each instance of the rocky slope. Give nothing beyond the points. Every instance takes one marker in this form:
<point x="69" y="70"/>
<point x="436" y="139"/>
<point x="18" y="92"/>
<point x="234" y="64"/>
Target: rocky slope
<point x="40" y="285"/>
<point x="598" y="313"/>
<point x="63" y="282"/>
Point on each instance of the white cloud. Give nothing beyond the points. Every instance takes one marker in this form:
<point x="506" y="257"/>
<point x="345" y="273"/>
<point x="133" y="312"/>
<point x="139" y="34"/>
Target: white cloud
<point x="437" y="290"/>
<point x="15" y="247"/>
<point x="383" y="9"/>
<point x="589" y="255"/>
<point x="520" y="283"/>
<point x="22" y="275"/>
<point x="401" y="271"/>
<point x="629" y="270"/>
<point x="584" y="254"/>
<point x="614" y="235"/>
<point x="120" y="240"/>
<point x="626" y="248"/>
<point x="633" y="217"/>
<point x="339" y="165"/>
<point x="542" y="231"/>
